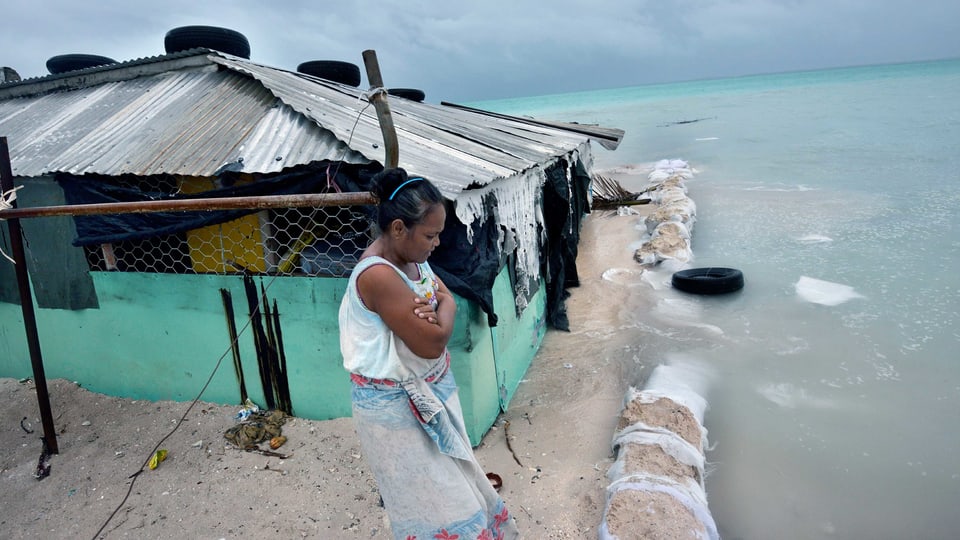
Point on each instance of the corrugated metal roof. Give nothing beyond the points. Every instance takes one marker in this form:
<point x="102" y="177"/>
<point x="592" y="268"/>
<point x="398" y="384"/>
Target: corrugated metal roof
<point x="188" y="122"/>
<point x="191" y="114"/>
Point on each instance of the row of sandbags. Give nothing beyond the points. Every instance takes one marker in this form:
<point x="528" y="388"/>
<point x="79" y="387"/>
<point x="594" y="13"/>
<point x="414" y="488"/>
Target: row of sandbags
<point x="656" y="488"/>
<point x="669" y="227"/>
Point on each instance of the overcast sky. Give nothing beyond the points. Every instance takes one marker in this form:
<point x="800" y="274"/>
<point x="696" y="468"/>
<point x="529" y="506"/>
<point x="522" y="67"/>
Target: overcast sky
<point x="476" y="50"/>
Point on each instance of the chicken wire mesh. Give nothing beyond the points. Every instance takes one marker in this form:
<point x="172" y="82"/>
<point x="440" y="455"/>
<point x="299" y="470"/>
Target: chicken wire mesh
<point x="323" y="241"/>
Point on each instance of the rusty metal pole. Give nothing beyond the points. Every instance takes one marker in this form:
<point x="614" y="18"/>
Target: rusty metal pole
<point x="258" y="202"/>
<point x="26" y="304"/>
<point x="379" y="100"/>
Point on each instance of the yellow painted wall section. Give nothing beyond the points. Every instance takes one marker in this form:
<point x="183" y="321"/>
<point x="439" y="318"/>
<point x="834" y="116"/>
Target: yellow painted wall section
<point x="228" y="247"/>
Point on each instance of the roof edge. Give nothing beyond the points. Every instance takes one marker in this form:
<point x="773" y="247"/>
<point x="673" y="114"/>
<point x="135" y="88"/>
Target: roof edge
<point x="609" y="138"/>
<point x="121" y="71"/>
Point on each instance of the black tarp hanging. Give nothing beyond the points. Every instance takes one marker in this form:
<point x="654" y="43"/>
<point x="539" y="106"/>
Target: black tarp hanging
<point x="565" y="202"/>
<point x="468" y="268"/>
<point x="112" y="228"/>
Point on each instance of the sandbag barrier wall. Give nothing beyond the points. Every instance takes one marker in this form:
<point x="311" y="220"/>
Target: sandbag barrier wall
<point x="656" y="485"/>
<point x="670" y="226"/>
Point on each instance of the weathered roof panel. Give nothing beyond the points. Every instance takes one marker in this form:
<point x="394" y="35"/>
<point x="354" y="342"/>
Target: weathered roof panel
<point x="192" y="114"/>
<point x="183" y="122"/>
<point x="345" y="111"/>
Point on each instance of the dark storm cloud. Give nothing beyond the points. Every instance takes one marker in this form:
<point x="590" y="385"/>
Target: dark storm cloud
<point x="492" y="49"/>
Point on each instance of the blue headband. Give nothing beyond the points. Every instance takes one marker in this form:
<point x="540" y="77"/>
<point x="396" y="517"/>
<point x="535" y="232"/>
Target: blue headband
<point x="414" y="179"/>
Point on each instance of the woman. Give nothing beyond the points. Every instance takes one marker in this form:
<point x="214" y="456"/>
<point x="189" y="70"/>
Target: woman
<point x="395" y="321"/>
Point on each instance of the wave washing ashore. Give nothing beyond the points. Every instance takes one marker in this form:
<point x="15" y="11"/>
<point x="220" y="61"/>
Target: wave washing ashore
<point x="832" y="376"/>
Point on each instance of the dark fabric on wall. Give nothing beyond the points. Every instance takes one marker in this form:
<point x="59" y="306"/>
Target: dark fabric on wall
<point x="469" y="269"/>
<point x="564" y="204"/>
<point x="105" y="229"/>
<point x="580" y="207"/>
<point x="59" y="273"/>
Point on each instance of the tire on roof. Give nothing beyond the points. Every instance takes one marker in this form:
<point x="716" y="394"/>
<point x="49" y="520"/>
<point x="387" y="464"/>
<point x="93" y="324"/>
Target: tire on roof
<point x="413" y="94"/>
<point x="332" y="70"/>
<point x="211" y="37"/>
<point x="72" y="62"/>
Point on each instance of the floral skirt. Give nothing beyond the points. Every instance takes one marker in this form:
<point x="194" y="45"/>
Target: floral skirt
<point x="430" y="481"/>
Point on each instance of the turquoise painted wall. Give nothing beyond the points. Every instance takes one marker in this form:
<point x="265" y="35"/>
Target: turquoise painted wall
<point x="516" y="340"/>
<point x="160" y="336"/>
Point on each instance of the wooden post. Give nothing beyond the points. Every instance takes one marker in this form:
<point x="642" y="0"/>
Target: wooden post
<point x="379" y="100"/>
<point x="26" y="305"/>
<point x="109" y="256"/>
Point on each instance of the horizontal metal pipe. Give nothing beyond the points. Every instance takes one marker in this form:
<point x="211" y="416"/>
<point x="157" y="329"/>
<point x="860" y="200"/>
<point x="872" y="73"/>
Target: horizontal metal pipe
<point x="193" y="205"/>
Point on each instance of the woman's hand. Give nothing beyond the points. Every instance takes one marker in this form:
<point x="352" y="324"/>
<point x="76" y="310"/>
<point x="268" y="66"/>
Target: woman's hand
<point x="428" y="310"/>
<point x="425" y="309"/>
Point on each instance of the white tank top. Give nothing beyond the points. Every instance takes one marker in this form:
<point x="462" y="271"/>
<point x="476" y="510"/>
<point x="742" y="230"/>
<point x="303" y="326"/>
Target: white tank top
<point x="368" y="346"/>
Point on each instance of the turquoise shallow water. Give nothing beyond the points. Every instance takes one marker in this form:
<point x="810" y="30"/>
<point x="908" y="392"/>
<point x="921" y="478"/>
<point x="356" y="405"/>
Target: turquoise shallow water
<point x="836" y="419"/>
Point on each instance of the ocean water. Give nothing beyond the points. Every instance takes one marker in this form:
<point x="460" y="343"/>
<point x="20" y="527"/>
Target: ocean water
<point x="834" y="375"/>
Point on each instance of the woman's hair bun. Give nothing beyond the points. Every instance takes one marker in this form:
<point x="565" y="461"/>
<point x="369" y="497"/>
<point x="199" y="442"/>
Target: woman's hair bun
<point x="402" y="197"/>
<point x="386" y="182"/>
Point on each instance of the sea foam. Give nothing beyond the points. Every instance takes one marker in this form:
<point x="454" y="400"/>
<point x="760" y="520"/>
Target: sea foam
<point x="814" y="239"/>
<point x="824" y="292"/>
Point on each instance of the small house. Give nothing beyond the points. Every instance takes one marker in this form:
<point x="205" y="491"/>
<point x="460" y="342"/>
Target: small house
<point x="242" y="303"/>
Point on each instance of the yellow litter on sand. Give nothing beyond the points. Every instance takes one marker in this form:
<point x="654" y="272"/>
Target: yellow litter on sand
<point x="156" y="458"/>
